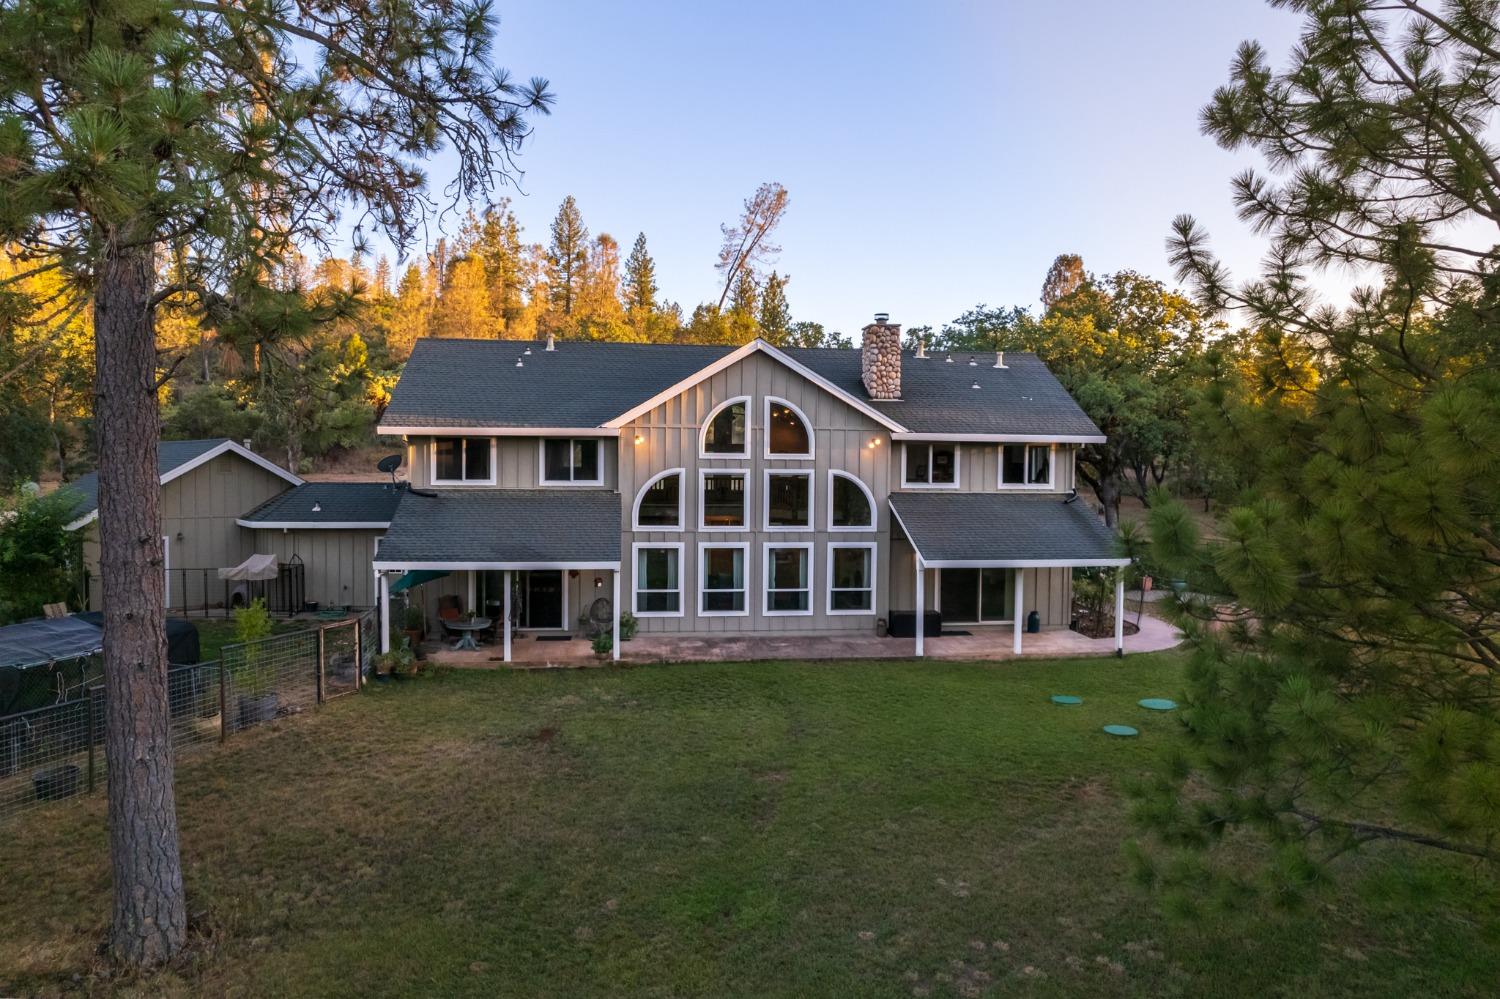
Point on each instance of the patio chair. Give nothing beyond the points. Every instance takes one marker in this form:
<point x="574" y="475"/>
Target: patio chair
<point x="450" y="608"/>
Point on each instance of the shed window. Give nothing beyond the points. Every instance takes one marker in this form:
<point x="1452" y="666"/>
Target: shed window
<point x="571" y="460"/>
<point x="461" y="459"/>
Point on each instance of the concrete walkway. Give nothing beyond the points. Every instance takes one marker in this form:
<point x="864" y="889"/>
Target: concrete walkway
<point x="986" y="644"/>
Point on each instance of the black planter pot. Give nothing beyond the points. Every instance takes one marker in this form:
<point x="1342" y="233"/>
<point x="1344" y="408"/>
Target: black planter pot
<point x="56" y="783"/>
<point x="258" y="708"/>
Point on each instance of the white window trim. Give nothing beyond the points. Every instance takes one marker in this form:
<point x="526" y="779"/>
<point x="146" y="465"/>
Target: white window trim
<point x="635" y="580"/>
<point x="812" y="497"/>
<point x="835" y="474"/>
<point x="704" y="473"/>
<point x="703" y="430"/>
<point x="1051" y="482"/>
<point x="635" y="510"/>
<point x="744" y="547"/>
<point x="432" y="476"/>
<point x="765" y="413"/>
<point x="958" y="467"/>
<point x="765" y="578"/>
<point x="873" y="549"/>
<point x="541" y="463"/>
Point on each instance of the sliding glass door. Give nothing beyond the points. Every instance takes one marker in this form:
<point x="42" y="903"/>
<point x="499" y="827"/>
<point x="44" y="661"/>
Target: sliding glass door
<point x="976" y="596"/>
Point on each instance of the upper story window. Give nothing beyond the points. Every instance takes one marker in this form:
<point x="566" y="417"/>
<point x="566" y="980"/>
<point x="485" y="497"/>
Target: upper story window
<point x="788" y="432"/>
<point x="1026" y="466"/>
<point x="850" y="505"/>
<point x="571" y="461"/>
<point x="464" y="460"/>
<point x="929" y="466"/>
<point x="658" y="506"/>
<point x="726" y="432"/>
<point x="789" y="501"/>
<point x="723" y="500"/>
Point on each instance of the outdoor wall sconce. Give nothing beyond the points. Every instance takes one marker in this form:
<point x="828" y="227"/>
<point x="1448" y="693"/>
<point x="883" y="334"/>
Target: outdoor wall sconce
<point x="598" y="582"/>
<point x="639" y="439"/>
<point x="179" y="535"/>
<point x="572" y="573"/>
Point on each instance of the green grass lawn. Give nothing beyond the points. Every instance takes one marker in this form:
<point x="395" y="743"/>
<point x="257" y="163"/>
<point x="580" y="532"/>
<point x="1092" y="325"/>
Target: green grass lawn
<point x="766" y="829"/>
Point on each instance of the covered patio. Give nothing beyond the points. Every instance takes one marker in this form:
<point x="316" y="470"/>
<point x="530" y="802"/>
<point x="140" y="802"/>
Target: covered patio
<point x="1006" y="531"/>
<point x="472" y="534"/>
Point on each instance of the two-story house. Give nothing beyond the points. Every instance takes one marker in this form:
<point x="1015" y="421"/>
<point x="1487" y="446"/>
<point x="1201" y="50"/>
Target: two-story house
<point x="711" y="490"/>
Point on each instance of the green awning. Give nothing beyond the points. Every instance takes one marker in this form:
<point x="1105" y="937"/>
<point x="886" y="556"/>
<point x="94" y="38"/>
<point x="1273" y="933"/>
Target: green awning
<point x="416" y="577"/>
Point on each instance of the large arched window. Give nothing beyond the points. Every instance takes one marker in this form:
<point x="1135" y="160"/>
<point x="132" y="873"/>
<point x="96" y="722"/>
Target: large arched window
<point x="788" y="430"/>
<point x="850" y="505"/>
<point x="658" y="506"/>
<point x="726" y="432"/>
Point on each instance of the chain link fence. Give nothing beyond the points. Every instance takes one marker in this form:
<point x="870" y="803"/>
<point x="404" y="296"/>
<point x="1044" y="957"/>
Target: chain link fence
<point x="54" y="752"/>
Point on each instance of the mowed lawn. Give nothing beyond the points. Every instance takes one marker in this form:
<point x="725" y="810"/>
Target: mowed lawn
<point x="766" y="829"/>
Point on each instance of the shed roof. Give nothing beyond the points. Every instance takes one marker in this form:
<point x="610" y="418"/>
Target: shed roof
<point x="952" y="529"/>
<point x="502" y="528"/>
<point x="328" y="505"/>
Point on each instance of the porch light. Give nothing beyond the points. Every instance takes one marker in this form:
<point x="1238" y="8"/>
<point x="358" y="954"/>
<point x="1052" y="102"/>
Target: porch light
<point x="639" y="439"/>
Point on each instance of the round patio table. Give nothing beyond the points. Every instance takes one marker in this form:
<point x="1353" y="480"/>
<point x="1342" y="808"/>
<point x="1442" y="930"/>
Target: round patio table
<point x="468" y="628"/>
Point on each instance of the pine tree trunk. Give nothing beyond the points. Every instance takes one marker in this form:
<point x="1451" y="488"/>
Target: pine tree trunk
<point x="150" y="918"/>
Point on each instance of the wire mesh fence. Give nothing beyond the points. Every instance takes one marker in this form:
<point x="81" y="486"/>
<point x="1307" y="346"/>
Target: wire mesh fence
<point x="54" y="752"/>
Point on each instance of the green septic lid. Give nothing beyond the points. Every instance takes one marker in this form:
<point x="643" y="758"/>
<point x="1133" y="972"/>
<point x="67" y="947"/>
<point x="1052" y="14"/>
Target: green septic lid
<point x="1066" y="699"/>
<point x="1124" y="730"/>
<point x="1158" y="704"/>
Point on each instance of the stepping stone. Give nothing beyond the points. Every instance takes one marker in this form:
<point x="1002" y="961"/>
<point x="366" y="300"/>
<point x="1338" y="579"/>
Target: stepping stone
<point x="1158" y="704"/>
<point x="1066" y="699"/>
<point x="1121" y="730"/>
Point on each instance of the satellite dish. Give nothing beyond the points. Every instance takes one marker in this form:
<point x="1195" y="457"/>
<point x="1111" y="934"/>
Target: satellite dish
<point x="389" y="463"/>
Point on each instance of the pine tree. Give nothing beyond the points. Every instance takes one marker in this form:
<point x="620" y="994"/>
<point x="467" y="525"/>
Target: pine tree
<point x="234" y="132"/>
<point x="1064" y="277"/>
<point x="775" y="314"/>
<point x="745" y="299"/>
<point x="499" y="245"/>
<point x="640" y="279"/>
<point x="567" y="258"/>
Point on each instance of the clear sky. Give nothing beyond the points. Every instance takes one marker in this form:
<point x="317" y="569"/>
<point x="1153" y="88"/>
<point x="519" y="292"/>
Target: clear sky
<point x="937" y="154"/>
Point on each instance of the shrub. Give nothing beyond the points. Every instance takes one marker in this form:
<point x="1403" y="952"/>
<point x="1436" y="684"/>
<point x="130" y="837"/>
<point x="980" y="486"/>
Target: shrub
<point x="603" y="644"/>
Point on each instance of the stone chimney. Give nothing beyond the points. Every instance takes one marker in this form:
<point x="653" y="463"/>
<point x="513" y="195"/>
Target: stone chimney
<point x="880" y="360"/>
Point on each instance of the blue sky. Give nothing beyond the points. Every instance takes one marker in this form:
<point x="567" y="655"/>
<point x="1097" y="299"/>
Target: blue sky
<point x="937" y="154"/>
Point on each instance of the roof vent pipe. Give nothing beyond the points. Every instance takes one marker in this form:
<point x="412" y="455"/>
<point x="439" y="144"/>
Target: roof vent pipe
<point x="922" y="348"/>
<point x="551" y="342"/>
<point x="999" y="358"/>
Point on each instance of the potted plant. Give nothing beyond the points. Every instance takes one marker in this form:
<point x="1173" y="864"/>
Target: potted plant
<point x="628" y="626"/>
<point x="413" y="626"/>
<point x="400" y="663"/>
<point x="603" y="644"/>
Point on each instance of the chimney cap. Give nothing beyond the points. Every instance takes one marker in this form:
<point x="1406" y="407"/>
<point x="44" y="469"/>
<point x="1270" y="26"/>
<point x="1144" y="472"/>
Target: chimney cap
<point x="882" y="317"/>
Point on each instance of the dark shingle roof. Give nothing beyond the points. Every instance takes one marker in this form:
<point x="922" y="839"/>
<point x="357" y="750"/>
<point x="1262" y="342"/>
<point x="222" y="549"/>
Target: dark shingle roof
<point x="170" y="456"/>
<point x="1002" y="527"/>
<point x="475" y="383"/>
<point x="336" y="503"/>
<point x="504" y="525"/>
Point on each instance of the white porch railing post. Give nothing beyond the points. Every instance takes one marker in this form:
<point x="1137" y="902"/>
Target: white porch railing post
<point x="1018" y="610"/>
<point x="506" y="612"/>
<point x="385" y="613"/>
<point x="615" y="610"/>
<point x="921" y="610"/>
<point x="1120" y="611"/>
<point x="473" y="592"/>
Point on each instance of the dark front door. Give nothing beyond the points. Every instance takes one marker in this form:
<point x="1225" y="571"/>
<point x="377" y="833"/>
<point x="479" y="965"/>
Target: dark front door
<point x="544" y="599"/>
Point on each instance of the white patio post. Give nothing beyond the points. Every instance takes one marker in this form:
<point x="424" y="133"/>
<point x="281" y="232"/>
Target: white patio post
<point x="615" y="610"/>
<point x="505" y="610"/>
<point x="921" y="610"/>
<point x="1017" y="610"/>
<point x="473" y="592"/>
<point x="1120" y="612"/>
<point x="385" y="613"/>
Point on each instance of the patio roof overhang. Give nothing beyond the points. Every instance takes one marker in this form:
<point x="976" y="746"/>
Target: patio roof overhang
<point x="481" y="529"/>
<point x="1003" y="530"/>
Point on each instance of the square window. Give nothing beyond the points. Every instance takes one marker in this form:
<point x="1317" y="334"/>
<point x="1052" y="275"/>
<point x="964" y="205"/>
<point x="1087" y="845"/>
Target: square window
<point x="1026" y="465"/>
<point x="930" y="465"/>
<point x="461" y="459"/>
<point x="723" y="500"/>
<point x="789" y="500"/>
<point x="570" y="460"/>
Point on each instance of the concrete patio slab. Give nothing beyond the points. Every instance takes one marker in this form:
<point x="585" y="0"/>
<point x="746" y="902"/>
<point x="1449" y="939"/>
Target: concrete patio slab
<point x="983" y="644"/>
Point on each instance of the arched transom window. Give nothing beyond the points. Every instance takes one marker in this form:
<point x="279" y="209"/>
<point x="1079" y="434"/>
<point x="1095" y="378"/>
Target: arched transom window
<point x="658" y="506"/>
<point x="726" y="432"/>
<point x="788" y="434"/>
<point x="850" y="505"/>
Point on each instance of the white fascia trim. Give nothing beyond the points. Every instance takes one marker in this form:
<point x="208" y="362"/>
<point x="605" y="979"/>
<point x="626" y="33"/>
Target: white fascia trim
<point x="230" y="447"/>
<point x="302" y="525"/>
<point x="744" y="400"/>
<point x="874" y="549"/>
<point x="471" y="566"/>
<point x="921" y="562"/>
<point x="635" y="582"/>
<point x="740" y="354"/>
<point x="1028" y="563"/>
<point x="421" y="431"/>
<point x="838" y="473"/>
<point x="744" y="590"/>
<point x="807" y="428"/>
<point x="744" y="474"/>
<point x="765" y="578"/>
<point x="812" y="504"/>
<point x="635" y="508"/>
<point x="1003" y="438"/>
